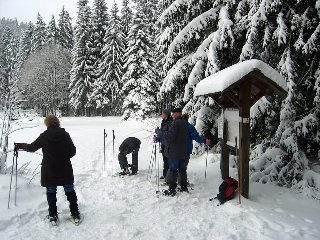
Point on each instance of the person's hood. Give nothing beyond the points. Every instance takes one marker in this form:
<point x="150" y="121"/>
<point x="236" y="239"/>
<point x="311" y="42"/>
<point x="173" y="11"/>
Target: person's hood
<point x="54" y="134"/>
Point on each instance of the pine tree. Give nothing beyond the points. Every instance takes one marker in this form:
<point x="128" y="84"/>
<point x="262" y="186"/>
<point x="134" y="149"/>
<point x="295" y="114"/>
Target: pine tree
<point x="100" y="24"/>
<point x="199" y="41"/>
<point x="108" y="86"/>
<point x="25" y="45"/>
<point x="126" y="16"/>
<point x="65" y="30"/>
<point x="39" y="36"/>
<point x="80" y="81"/>
<point x="139" y="79"/>
<point x="8" y="89"/>
<point x="52" y="31"/>
<point x="100" y="19"/>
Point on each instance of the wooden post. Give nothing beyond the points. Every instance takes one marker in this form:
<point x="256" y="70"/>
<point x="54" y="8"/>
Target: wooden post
<point x="244" y="134"/>
<point x="224" y="161"/>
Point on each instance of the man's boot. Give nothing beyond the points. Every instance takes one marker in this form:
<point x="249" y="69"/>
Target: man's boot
<point x="171" y="191"/>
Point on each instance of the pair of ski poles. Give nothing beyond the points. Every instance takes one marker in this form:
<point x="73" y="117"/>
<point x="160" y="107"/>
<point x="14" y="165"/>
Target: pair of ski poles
<point x="153" y="161"/>
<point x="14" y="162"/>
<point x="104" y="149"/>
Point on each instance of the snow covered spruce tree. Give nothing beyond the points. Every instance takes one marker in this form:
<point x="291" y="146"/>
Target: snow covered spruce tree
<point x="82" y="65"/>
<point x="25" y="45"/>
<point x="39" y="36"/>
<point x="52" y="31"/>
<point x="126" y="16"/>
<point x="108" y="86"/>
<point x="65" y="30"/>
<point x="285" y="157"/>
<point x="8" y="89"/>
<point x="139" y="80"/>
<point x="100" y="23"/>
<point x="202" y="39"/>
<point x="198" y="40"/>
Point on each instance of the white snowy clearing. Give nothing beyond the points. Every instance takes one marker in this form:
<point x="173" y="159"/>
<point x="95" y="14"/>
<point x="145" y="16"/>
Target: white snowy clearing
<point x="128" y="208"/>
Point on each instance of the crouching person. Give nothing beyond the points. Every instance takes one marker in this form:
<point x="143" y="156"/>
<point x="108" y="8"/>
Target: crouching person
<point x="129" y="145"/>
<point x="56" y="169"/>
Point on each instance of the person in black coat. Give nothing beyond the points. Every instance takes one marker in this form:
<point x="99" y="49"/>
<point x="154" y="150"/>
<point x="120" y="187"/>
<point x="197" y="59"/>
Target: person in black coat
<point x="56" y="169"/>
<point x="129" y="145"/>
<point x="165" y="125"/>
<point x="175" y="150"/>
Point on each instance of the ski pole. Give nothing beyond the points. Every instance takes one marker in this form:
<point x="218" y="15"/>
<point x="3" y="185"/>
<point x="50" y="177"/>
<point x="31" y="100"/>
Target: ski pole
<point x="15" y="155"/>
<point x="158" y="175"/>
<point x="151" y="162"/>
<point x="113" y="137"/>
<point x="104" y="149"/>
<point x="205" y="173"/>
<point x="15" y="194"/>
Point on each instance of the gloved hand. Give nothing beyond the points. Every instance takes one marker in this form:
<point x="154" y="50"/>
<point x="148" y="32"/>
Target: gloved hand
<point x="155" y="139"/>
<point x="157" y="130"/>
<point x="208" y="141"/>
<point x="18" y="146"/>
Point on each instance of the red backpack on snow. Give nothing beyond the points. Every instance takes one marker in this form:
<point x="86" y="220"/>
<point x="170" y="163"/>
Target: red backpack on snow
<point x="226" y="190"/>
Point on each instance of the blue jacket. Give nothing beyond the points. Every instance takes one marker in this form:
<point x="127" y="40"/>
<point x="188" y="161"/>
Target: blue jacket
<point x="193" y="135"/>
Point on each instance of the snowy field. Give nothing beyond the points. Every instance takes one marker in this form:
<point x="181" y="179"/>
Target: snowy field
<point x="129" y="208"/>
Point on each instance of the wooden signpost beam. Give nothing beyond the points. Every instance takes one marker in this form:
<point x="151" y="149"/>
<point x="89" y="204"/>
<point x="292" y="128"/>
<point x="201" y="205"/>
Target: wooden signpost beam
<point x="244" y="135"/>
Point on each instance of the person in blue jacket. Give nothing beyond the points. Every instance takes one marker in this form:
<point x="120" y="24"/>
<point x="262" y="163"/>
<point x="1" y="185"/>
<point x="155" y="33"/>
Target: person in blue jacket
<point x="193" y="135"/>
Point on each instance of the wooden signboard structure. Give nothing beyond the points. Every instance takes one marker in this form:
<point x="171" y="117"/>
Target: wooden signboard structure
<point x="241" y="86"/>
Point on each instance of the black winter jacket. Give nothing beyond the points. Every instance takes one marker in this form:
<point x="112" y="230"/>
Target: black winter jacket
<point x="176" y="139"/>
<point x="165" y="125"/>
<point x="57" y="148"/>
<point x="131" y="143"/>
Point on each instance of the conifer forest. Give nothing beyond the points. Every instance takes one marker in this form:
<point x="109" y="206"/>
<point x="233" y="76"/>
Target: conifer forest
<point x="136" y="58"/>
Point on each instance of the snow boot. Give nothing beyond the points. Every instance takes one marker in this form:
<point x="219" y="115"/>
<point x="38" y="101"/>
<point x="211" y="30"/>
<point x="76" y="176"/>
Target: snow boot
<point x="171" y="191"/>
<point x="53" y="213"/>
<point x="52" y="202"/>
<point x="134" y="170"/>
<point x="73" y="200"/>
<point x="183" y="188"/>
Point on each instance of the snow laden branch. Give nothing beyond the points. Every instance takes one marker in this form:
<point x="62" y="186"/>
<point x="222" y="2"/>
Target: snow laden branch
<point x="191" y="32"/>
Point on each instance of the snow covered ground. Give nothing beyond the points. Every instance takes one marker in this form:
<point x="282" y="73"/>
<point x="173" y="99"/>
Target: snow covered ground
<point x="128" y="208"/>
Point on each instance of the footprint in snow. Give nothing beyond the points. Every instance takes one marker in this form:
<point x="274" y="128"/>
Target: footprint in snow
<point x="278" y="210"/>
<point x="308" y="220"/>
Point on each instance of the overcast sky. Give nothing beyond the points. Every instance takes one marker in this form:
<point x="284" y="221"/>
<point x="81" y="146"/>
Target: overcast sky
<point x="27" y="10"/>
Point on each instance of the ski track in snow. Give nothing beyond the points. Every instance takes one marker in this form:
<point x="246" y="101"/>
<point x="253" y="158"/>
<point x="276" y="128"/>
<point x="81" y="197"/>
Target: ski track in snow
<point x="129" y="208"/>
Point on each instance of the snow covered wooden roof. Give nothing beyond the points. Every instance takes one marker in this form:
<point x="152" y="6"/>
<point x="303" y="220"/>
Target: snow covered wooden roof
<point x="264" y="81"/>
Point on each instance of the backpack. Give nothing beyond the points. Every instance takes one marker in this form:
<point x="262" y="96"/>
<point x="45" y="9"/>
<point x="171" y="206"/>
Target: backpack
<point x="226" y="190"/>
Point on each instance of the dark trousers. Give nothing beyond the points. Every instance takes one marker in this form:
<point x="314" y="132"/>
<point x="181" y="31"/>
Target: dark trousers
<point x="71" y="197"/>
<point x="186" y="162"/>
<point x="122" y="157"/>
<point x="177" y="168"/>
<point x="165" y="165"/>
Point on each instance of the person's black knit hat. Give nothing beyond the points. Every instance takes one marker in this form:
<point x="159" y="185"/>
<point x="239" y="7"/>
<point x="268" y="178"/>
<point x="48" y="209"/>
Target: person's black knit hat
<point x="167" y="112"/>
<point x="176" y="110"/>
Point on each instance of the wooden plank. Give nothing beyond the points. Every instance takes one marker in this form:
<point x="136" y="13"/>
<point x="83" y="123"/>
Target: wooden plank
<point x="244" y="134"/>
<point x="233" y="98"/>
